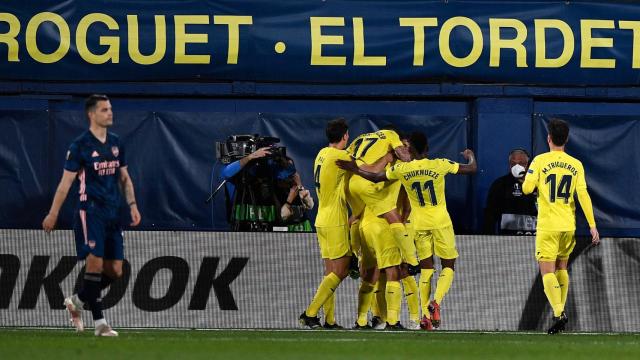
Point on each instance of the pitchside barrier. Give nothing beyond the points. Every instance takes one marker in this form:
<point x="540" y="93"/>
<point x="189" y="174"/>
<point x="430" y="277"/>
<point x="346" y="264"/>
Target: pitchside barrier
<point x="265" y="280"/>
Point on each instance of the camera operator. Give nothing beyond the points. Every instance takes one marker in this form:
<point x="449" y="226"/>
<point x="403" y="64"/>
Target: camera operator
<point x="231" y="170"/>
<point x="296" y="201"/>
<point x="247" y="195"/>
<point x="263" y="189"/>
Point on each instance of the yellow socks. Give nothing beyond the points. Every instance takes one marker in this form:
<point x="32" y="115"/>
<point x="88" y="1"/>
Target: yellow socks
<point x="375" y="309"/>
<point x="405" y="243"/>
<point x="444" y="283"/>
<point x="553" y="292"/>
<point x="326" y="288"/>
<point x="380" y="300"/>
<point x="410" y="288"/>
<point x="329" y="307"/>
<point x="365" y="294"/>
<point x="393" y="295"/>
<point x="425" y="290"/>
<point x="563" y="281"/>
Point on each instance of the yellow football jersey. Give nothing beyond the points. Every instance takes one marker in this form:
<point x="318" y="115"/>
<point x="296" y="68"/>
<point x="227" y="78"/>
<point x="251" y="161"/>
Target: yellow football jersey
<point x="368" y="148"/>
<point x="330" y="183"/>
<point x="558" y="176"/>
<point x="424" y="182"/>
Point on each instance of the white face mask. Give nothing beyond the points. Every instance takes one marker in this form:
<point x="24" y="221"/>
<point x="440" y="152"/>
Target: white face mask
<point x="518" y="171"/>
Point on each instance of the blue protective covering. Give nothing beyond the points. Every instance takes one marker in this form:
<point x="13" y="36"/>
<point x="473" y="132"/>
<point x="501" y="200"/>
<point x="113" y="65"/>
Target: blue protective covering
<point x="171" y="154"/>
<point x="607" y="146"/>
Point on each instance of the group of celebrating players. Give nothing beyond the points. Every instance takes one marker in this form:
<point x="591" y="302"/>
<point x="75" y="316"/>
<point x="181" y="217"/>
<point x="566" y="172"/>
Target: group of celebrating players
<point x="399" y="221"/>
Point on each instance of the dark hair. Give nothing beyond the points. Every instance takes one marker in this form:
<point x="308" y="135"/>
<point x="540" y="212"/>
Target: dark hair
<point x="558" y="131"/>
<point x="336" y="129"/>
<point x="418" y="140"/>
<point x="519" y="151"/>
<point x="91" y="102"/>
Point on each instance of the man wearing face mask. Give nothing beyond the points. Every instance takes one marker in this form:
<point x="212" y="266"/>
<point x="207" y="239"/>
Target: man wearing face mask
<point x="508" y="210"/>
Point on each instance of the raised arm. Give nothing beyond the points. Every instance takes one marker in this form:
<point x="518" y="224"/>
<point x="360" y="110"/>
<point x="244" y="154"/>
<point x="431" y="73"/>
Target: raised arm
<point x="352" y="166"/>
<point x="232" y="169"/>
<point x="126" y="186"/>
<point x="471" y="166"/>
<point x="49" y="222"/>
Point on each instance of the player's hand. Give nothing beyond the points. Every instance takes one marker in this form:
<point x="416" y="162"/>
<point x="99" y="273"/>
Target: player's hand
<point x="350" y="165"/>
<point x="306" y="198"/>
<point x="595" y="236"/>
<point x="260" y="153"/>
<point x="135" y="215"/>
<point x="468" y="154"/>
<point x="49" y="222"/>
<point x="297" y="180"/>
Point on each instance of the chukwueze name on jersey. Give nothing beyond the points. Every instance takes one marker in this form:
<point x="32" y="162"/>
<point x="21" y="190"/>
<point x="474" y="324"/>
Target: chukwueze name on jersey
<point x="414" y="173"/>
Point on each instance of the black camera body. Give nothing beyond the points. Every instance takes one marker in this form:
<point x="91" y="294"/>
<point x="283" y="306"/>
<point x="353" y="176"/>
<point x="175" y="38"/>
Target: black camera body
<point x="237" y="147"/>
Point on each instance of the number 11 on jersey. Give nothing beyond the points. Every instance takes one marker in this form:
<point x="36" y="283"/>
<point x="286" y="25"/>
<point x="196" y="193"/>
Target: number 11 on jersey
<point x="428" y="185"/>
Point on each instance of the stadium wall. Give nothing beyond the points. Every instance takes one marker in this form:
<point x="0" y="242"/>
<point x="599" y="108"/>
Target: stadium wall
<point x="170" y="147"/>
<point x="250" y="280"/>
<point x="487" y="75"/>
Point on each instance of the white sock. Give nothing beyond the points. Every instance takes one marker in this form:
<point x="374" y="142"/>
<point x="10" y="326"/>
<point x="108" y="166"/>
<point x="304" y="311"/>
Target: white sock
<point x="100" y="322"/>
<point x="77" y="302"/>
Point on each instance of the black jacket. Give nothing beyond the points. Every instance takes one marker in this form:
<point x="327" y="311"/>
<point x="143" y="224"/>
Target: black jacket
<point x="506" y="197"/>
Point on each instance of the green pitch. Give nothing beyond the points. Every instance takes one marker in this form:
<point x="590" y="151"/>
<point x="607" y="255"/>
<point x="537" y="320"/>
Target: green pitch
<point x="308" y="345"/>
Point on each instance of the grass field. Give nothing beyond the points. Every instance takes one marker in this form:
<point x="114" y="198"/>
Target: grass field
<point x="308" y="345"/>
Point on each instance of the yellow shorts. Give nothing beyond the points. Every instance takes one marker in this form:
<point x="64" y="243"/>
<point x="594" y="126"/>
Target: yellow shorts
<point x="378" y="233"/>
<point x="334" y="241"/>
<point x="554" y="245"/>
<point x="412" y="235"/>
<point x="367" y="250"/>
<point x="441" y="241"/>
<point x="379" y="197"/>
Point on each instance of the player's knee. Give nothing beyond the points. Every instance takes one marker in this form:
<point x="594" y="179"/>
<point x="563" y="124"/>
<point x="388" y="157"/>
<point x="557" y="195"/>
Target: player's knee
<point x="393" y="273"/>
<point x="116" y="274"/>
<point x="450" y="263"/>
<point x="341" y="272"/>
<point x="426" y="263"/>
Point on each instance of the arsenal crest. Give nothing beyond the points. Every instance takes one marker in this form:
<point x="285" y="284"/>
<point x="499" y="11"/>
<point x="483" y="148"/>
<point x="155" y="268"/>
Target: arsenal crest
<point x="115" y="151"/>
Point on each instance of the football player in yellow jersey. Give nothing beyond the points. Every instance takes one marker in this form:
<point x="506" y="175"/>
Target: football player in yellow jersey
<point x="372" y="239"/>
<point x="381" y="198"/>
<point x="423" y="180"/>
<point x="558" y="176"/>
<point x="332" y="220"/>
